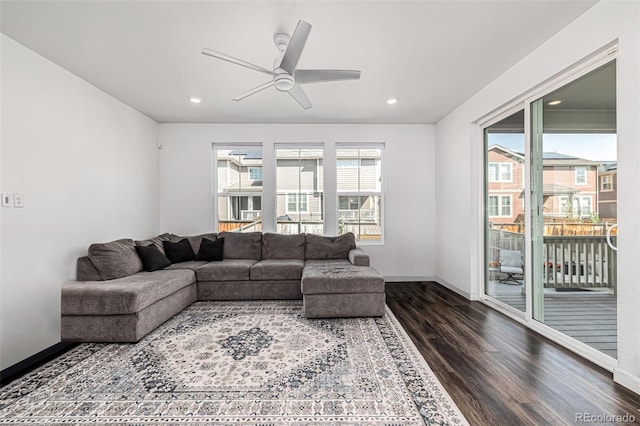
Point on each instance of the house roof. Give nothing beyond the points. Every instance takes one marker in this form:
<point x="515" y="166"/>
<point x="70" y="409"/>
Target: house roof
<point x="248" y="155"/>
<point x="550" y="158"/>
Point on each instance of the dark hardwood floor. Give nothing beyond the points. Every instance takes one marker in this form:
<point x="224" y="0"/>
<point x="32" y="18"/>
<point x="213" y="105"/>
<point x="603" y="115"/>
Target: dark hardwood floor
<point x="497" y="371"/>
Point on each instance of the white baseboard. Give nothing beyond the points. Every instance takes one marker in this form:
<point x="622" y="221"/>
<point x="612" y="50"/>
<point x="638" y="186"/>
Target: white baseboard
<point x="627" y="380"/>
<point x="452" y="287"/>
<point x="405" y="278"/>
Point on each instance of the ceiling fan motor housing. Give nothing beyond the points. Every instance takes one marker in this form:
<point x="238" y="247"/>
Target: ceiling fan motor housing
<point x="283" y="80"/>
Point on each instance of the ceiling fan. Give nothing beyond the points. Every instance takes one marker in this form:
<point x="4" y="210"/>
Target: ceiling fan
<point x="285" y="76"/>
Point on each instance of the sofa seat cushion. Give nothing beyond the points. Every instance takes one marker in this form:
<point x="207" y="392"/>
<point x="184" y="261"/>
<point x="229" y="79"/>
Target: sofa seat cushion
<point x="340" y="277"/>
<point x="277" y="269"/>
<point x="192" y="265"/>
<point x="226" y="270"/>
<point x="126" y="295"/>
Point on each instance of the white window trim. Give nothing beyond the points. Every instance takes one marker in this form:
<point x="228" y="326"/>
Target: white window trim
<point x="602" y="182"/>
<point x="585" y="175"/>
<point x="500" y="205"/>
<point x="297" y="194"/>
<point x="584" y="197"/>
<point x="380" y="193"/>
<point x="499" y="165"/>
<point x="215" y="147"/>
<point x="249" y="169"/>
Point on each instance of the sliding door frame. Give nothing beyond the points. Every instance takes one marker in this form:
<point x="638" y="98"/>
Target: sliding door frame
<point x="525" y="102"/>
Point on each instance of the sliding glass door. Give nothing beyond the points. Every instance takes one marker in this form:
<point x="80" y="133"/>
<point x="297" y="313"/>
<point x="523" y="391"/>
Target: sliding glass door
<point x="505" y="215"/>
<point x="551" y="197"/>
<point x="573" y="196"/>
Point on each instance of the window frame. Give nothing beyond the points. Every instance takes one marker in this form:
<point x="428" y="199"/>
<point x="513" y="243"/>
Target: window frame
<point x="362" y="146"/>
<point x="609" y="182"/>
<point x="581" y="168"/>
<point x="253" y="168"/>
<point x="499" y="166"/>
<point x="234" y="192"/>
<point x="297" y="195"/>
<point x="499" y="205"/>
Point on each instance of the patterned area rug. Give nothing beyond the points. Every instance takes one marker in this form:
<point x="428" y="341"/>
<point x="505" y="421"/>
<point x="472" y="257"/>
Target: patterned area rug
<point x="240" y="363"/>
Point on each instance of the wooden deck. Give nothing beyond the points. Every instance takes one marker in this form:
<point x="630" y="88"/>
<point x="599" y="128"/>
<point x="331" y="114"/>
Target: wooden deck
<point x="587" y="317"/>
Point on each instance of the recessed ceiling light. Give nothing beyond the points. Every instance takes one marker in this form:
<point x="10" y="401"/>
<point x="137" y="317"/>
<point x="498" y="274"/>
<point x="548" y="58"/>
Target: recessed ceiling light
<point x="552" y="103"/>
<point x="392" y="101"/>
<point x="195" y="100"/>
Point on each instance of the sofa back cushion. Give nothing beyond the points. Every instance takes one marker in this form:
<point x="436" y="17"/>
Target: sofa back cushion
<point x="320" y="248"/>
<point x="278" y="246"/>
<point x="115" y="259"/>
<point x="242" y="245"/>
<point x="196" y="240"/>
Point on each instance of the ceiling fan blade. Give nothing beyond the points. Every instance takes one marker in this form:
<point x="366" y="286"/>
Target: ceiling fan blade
<point x="298" y="94"/>
<point x="236" y="61"/>
<point x="294" y="49"/>
<point x="254" y="90"/>
<point x="316" y="76"/>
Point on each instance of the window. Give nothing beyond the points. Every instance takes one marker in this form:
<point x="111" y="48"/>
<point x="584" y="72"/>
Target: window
<point x="297" y="203"/>
<point x="606" y="183"/>
<point x="581" y="175"/>
<point x="500" y="206"/>
<point x="347" y="163"/>
<point x="500" y="172"/>
<point x="299" y="188"/>
<point x="563" y="206"/>
<point x="255" y="173"/>
<point x="359" y="185"/>
<point x="580" y="206"/>
<point x="238" y="192"/>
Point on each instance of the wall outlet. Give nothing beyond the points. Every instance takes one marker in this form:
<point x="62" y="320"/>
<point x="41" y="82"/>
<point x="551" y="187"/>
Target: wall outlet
<point x="18" y="200"/>
<point x="7" y="200"/>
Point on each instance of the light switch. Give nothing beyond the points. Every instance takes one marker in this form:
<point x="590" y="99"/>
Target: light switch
<point x="7" y="200"/>
<point x="18" y="200"/>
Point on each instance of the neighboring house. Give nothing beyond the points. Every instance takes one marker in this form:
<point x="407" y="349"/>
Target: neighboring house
<point x="570" y="185"/>
<point x="608" y="191"/>
<point x="300" y="186"/>
<point x="505" y="178"/>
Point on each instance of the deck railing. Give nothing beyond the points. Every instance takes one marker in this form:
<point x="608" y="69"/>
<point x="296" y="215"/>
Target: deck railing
<point x="579" y="262"/>
<point x="568" y="261"/>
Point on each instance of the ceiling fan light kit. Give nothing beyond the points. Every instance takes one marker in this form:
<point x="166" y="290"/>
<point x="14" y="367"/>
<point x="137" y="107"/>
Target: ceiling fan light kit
<point x="285" y="75"/>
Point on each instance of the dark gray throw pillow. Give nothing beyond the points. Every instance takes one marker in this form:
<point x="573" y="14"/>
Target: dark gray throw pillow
<point x="152" y="258"/>
<point x="211" y="250"/>
<point x="178" y="252"/>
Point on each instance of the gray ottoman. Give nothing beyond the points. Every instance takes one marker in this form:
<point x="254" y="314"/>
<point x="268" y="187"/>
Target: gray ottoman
<point x="337" y="289"/>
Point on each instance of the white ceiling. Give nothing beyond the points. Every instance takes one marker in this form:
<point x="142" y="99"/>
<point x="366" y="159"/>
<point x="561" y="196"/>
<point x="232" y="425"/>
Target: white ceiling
<point x="432" y="55"/>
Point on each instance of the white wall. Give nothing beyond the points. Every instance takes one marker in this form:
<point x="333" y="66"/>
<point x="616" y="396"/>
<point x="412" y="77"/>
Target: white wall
<point x="186" y="200"/>
<point x="459" y="156"/>
<point x="87" y="166"/>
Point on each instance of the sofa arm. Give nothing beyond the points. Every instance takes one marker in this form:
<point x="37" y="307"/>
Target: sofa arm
<point x="358" y="257"/>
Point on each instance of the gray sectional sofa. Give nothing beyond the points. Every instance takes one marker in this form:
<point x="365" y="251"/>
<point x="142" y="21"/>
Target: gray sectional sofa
<point x="115" y="300"/>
